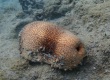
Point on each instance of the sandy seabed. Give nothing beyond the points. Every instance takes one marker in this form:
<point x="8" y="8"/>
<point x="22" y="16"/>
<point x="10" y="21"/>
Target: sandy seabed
<point x="88" y="19"/>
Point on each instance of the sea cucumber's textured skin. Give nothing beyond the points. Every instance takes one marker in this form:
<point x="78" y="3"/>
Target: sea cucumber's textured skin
<point x="45" y="42"/>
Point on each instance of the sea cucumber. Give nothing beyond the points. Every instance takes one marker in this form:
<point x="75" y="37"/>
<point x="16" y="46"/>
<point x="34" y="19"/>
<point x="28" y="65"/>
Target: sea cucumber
<point x="46" y="42"/>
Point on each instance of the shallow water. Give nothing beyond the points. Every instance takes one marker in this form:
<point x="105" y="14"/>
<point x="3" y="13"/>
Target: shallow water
<point x="88" y="19"/>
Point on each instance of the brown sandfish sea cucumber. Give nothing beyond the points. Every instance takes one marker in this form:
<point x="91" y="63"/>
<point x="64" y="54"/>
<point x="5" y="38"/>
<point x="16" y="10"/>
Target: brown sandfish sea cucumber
<point x="46" y="42"/>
